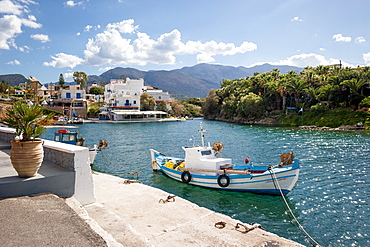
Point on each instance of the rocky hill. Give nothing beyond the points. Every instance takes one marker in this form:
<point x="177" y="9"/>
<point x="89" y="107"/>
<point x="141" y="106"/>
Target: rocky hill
<point x="13" y="79"/>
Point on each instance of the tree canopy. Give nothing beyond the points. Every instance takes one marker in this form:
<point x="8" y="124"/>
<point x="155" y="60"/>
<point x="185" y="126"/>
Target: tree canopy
<point x="80" y="78"/>
<point x="257" y="95"/>
<point x="96" y="91"/>
<point x="61" y="80"/>
<point x="147" y="102"/>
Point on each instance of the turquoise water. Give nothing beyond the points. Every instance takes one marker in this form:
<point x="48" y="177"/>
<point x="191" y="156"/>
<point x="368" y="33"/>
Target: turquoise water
<point x="330" y="200"/>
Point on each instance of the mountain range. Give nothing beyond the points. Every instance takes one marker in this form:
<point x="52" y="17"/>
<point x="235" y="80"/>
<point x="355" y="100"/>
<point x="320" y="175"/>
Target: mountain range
<point x="187" y="82"/>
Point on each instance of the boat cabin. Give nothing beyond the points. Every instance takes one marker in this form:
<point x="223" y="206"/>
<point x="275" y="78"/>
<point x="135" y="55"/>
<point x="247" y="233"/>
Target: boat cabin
<point x="69" y="136"/>
<point x="203" y="158"/>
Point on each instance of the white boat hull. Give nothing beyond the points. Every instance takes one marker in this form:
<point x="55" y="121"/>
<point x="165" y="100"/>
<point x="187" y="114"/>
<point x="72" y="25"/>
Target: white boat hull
<point x="92" y="154"/>
<point x="261" y="183"/>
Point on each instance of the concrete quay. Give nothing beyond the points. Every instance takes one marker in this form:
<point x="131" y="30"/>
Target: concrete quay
<point x="56" y="208"/>
<point x="134" y="215"/>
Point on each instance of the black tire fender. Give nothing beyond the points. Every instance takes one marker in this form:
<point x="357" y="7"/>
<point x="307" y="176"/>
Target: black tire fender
<point x="219" y="180"/>
<point x="186" y="177"/>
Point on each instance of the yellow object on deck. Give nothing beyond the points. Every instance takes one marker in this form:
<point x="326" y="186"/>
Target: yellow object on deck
<point x="168" y="164"/>
<point x="182" y="165"/>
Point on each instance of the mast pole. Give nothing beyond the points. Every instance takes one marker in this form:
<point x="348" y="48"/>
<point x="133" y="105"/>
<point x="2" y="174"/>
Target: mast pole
<point x="201" y="131"/>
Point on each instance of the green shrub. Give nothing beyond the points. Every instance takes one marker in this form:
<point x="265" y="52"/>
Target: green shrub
<point x="365" y="102"/>
<point x="328" y="118"/>
<point x="251" y="106"/>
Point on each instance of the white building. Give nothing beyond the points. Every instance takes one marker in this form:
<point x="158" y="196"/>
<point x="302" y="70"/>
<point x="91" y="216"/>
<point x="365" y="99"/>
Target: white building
<point x="68" y="100"/>
<point x="159" y="95"/>
<point x="121" y="94"/>
<point x="66" y="92"/>
<point x="122" y="100"/>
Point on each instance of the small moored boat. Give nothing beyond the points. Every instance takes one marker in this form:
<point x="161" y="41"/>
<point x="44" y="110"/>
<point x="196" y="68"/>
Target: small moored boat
<point x="203" y="166"/>
<point x="70" y="135"/>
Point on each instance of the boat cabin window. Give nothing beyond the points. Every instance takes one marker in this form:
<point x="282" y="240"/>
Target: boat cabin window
<point x="63" y="137"/>
<point x="69" y="138"/>
<point x="205" y="153"/>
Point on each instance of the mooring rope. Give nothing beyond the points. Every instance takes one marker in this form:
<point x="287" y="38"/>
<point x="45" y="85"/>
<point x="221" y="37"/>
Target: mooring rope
<point x="105" y="157"/>
<point x="312" y="241"/>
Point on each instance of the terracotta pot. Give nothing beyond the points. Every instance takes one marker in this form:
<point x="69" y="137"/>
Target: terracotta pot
<point x="26" y="157"/>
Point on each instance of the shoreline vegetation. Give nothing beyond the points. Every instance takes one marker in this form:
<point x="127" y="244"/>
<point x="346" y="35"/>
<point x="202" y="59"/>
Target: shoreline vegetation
<point x="322" y="97"/>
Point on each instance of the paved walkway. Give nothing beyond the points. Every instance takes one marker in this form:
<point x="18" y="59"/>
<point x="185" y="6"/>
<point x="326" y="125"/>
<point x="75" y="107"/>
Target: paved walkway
<point x="134" y="216"/>
<point x="43" y="220"/>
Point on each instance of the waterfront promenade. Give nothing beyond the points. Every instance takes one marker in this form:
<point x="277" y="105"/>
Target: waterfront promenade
<point x="125" y="213"/>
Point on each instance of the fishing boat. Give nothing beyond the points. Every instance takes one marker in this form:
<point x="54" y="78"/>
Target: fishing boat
<point x="70" y="135"/>
<point x="204" y="166"/>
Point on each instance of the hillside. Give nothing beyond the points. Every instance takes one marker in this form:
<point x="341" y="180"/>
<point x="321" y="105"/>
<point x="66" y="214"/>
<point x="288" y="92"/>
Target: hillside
<point x="13" y="79"/>
<point x="187" y="82"/>
<point x="179" y="84"/>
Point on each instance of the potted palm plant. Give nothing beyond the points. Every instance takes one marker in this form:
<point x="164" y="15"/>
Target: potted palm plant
<point x="27" y="151"/>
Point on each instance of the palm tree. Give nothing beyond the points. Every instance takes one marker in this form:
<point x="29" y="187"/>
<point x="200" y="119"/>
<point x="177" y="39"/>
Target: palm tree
<point x="313" y="92"/>
<point x="321" y="70"/>
<point x="296" y="87"/>
<point x="310" y="77"/>
<point x="355" y="84"/>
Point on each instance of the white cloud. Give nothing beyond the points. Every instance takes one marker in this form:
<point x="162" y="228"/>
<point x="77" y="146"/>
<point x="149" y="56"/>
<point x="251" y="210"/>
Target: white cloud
<point x="10" y="7"/>
<point x="340" y="38"/>
<point x="111" y="47"/>
<point x="322" y="49"/>
<point x="14" y="62"/>
<point x="304" y="60"/>
<point x="125" y="26"/>
<point x="89" y="27"/>
<point x="10" y="26"/>
<point x="42" y="37"/>
<point x="78" y="34"/>
<point x="105" y="69"/>
<point x="296" y="19"/>
<point x="204" y="58"/>
<point x="32" y="18"/>
<point x="68" y="76"/>
<point x="11" y="23"/>
<point x="24" y="48"/>
<point x="366" y="57"/>
<point x="62" y="60"/>
<point x="360" y="39"/>
<point x="72" y="3"/>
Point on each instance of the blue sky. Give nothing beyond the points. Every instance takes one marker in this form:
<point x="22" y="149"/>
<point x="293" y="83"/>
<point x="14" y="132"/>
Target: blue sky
<point x="47" y="38"/>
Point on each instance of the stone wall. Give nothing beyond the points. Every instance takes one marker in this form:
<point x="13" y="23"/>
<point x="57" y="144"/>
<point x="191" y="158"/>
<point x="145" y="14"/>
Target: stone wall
<point x="7" y="134"/>
<point x="70" y="157"/>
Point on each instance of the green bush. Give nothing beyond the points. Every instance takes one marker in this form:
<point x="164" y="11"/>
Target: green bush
<point x="328" y="118"/>
<point x="365" y="102"/>
<point x="251" y="106"/>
